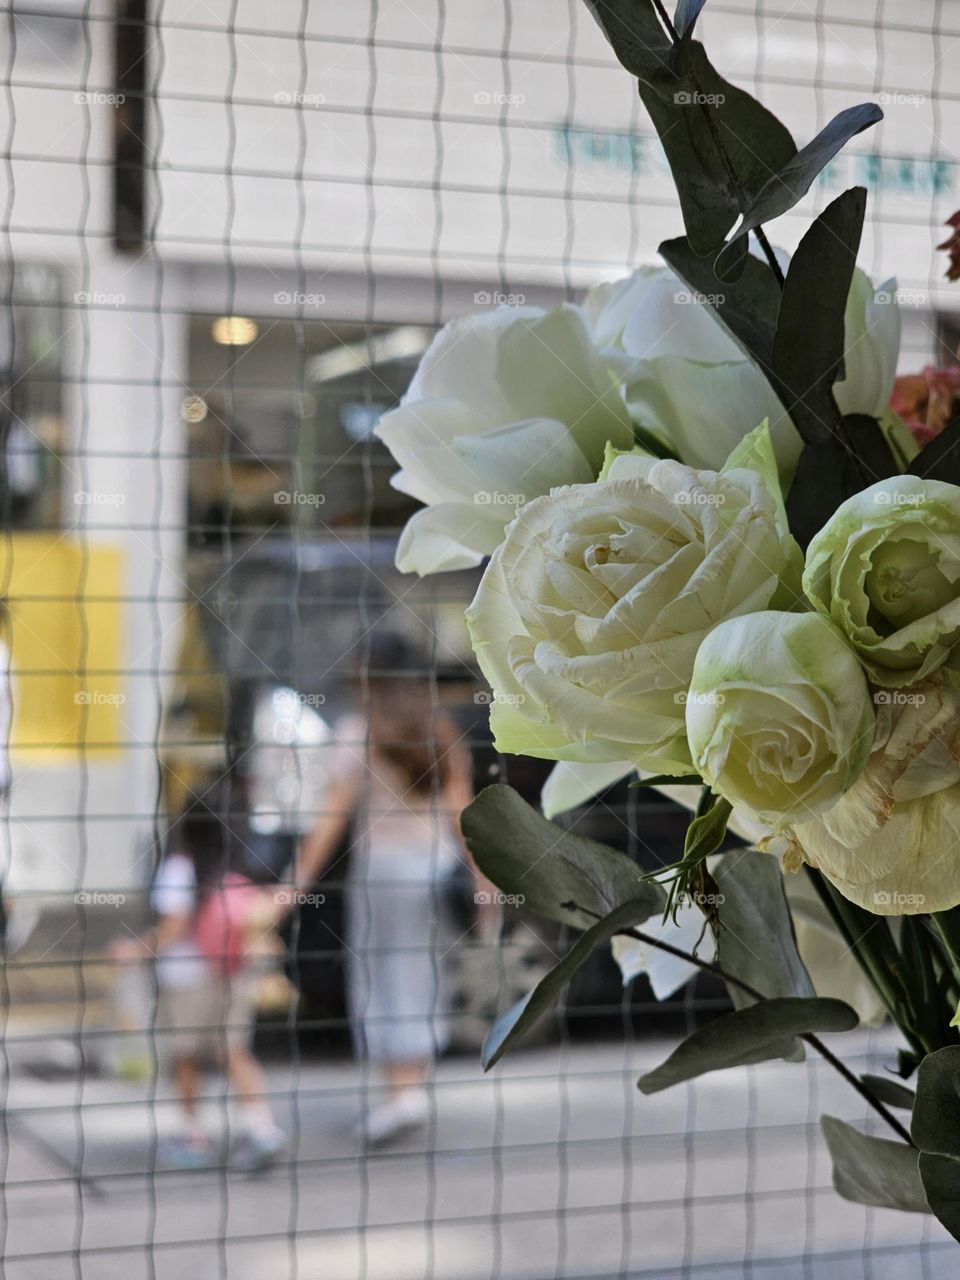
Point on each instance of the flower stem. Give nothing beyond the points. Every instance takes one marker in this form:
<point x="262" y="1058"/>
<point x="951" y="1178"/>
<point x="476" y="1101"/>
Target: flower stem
<point x="812" y="1040"/>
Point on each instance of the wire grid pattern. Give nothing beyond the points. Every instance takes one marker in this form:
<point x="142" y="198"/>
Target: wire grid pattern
<point x="348" y="178"/>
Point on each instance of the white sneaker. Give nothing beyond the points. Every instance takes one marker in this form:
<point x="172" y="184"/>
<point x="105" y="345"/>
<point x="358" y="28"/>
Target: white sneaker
<point x="407" y="1110"/>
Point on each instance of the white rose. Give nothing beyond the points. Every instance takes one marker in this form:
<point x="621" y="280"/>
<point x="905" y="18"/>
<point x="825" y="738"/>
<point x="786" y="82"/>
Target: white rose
<point x="590" y="613"/>
<point x="779" y="717"/>
<point x="689" y="382"/>
<point x="892" y="843"/>
<point x="504" y="406"/>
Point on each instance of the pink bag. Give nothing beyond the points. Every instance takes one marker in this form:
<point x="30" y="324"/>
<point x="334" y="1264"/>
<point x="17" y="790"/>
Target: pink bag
<point x="223" y="922"/>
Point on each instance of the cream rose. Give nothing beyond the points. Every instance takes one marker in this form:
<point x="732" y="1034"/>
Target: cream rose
<point x="689" y="382"/>
<point x="589" y="615"/>
<point x="779" y="717"/>
<point x="892" y="843"/>
<point x="504" y="406"/>
<point x="886" y="569"/>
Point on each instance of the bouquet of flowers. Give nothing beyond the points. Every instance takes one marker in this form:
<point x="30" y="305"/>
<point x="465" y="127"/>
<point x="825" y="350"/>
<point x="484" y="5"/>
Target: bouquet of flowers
<point x="720" y="561"/>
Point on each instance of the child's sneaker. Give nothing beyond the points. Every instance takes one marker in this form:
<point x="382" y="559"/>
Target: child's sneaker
<point x="407" y="1110"/>
<point x="187" y="1151"/>
<point x="257" y="1149"/>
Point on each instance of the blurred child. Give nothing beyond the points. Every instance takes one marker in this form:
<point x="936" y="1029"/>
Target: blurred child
<point x="208" y="968"/>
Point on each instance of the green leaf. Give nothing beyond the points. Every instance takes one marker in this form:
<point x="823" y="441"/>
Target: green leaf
<point x="833" y="470"/>
<point x="722" y="145"/>
<point x="941" y="1182"/>
<point x="754" y="1034"/>
<point x="756" y="942"/>
<point x="512" y="1024"/>
<point x="707" y="831"/>
<point x="636" y="35"/>
<point x="810" y="338"/>
<point x="940" y="459"/>
<point x="790" y="184"/>
<point x="935" y="1127"/>
<point x="525" y="854"/>
<point x="892" y="1092"/>
<point x="687" y="12"/>
<point x="873" y="1170"/>
<point x="747" y="308"/>
<point x="674" y="780"/>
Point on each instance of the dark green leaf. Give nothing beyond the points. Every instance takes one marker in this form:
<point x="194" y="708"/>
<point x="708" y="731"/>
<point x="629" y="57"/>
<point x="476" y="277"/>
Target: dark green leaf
<point x="686" y="15"/>
<point x="661" y="779"/>
<point x="941" y="1182"/>
<point x="747" y="309"/>
<point x="940" y="459"/>
<point x="756" y="942"/>
<point x="830" y="472"/>
<point x="636" y="35"/>
<point x="754" y="1034"/>
<point x="890" y="1091"/>
<point x="525" y="854"/>
<point x="512" y="1024"/>
<point x="873" y="1170"/>
<point x="792" y="181"/>
<point x="936" y="1114"/>
<point x="721" y="144"/>
<point x="810" y="339"/>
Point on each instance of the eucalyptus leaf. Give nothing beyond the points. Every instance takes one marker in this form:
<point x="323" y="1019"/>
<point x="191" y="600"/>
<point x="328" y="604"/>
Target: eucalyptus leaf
<point x="747" y="308"/>
<point x="722" y="145"/>
<point x="687" y="12"/>
<point x="833" y="470"/>
<point x="941" y="1182"/>
<point x="512" y="1024"/>
<point x="935" y="1127"/>
<point x="790" y="184"/>
<point x="890" y="1091"/>
<point x="525" y="854"/>
<point x="756" y="942"/>
<point x="761" y="1031"/>
<point x="810" y="338"/>
<point x="874" y="1171"/>
<point x="637" y="36"/>
<point x="940" y="459"/>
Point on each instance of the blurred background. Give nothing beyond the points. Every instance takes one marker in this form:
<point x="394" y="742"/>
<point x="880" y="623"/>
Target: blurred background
<point x="229" y="230"/>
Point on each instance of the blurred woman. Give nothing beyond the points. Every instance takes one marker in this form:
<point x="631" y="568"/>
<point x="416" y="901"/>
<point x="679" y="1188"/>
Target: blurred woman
<point x="402" y="775"/>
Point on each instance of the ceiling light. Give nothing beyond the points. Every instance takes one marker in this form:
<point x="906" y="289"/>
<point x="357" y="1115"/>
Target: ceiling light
<point x="233" y="331"/>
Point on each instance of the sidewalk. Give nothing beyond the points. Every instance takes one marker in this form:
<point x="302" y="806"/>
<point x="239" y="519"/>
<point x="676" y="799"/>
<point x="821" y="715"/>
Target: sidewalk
<point x="553" y="1166"/>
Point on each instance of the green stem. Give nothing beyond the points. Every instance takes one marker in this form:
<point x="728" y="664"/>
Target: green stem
<point x="812" y="1040"/>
